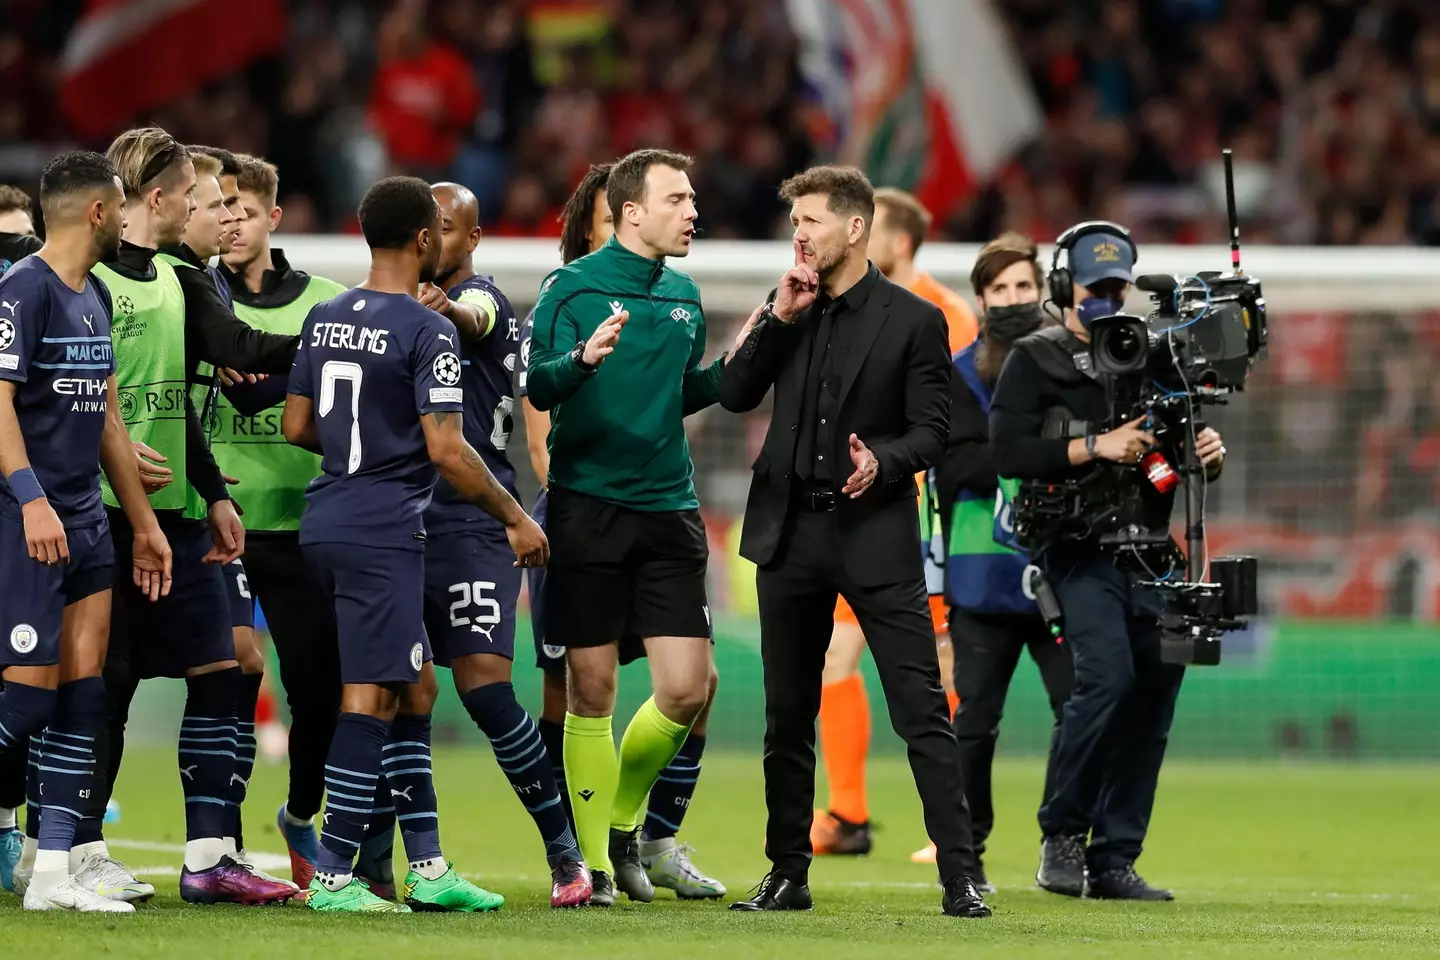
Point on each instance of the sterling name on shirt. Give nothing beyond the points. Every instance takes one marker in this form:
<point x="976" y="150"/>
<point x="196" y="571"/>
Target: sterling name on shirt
<point x="347" y="336"/>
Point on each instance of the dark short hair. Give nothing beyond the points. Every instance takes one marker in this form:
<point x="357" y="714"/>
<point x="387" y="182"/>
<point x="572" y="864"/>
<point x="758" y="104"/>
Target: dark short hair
<point x="906" y="213"/>
<point x="229" y="162"/>
<point x="847" y="190"/>
<point x="72" y="173"/>
<point x="579" y="211"/>
<point x="999" y="255"/>
<point x="13" y="198"/>
<point x="395" y="210"/>
<point x="626" y="183"/>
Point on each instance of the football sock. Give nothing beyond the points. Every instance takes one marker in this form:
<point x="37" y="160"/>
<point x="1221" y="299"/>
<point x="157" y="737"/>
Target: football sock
<point x="522" y="755"/>
<point x="844" y="743"/>
<point x="207" y="760"/>
<point x="32" y="789"/>
<point x="244" y="756"/>
<point x="405" y="763"/>
<point x="553" y="735"/>
<point x="352" y="771"/>
<point x="592" y="771"/>
<point x="24" y="710"/>
<point x="670" y="797"/>
<point x="12" y="775"/>
<point x="68" y="768"/>
<point x="650" y="743"/>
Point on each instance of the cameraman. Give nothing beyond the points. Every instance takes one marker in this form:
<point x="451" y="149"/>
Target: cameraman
<point x="992" y="621"/>
<point x="1114" y="726"/>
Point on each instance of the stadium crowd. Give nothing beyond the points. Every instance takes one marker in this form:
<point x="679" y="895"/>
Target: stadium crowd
<point x="1333" y="109"/>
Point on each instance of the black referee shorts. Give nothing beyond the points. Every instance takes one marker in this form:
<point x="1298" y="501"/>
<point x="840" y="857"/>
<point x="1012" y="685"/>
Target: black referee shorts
<point x="620" y="575"/>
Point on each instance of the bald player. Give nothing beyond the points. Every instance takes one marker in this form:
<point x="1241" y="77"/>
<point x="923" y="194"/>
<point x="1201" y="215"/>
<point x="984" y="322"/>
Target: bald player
<point x="471" y="580"/>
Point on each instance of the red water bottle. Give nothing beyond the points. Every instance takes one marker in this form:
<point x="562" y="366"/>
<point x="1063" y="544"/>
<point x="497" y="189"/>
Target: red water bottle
<point x="1158" y="469"/>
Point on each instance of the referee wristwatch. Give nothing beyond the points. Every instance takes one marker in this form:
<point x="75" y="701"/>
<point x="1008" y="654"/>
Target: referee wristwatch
<point x="578" y="356"/>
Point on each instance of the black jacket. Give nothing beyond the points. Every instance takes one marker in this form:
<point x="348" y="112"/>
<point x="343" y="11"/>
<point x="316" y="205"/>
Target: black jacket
<point x="894" y="396"/>
<point x="1044" y="371"/>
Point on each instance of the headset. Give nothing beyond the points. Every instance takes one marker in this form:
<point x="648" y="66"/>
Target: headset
<point x="1061" y="281"/>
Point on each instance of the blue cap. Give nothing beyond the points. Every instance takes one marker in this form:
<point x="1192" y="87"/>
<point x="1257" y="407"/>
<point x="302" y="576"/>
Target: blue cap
<point x="1101" y="256"/>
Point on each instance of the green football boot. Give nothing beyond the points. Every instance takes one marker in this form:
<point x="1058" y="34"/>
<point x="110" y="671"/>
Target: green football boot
<point x="354" y="897"/>
<point x="450" y="893"/>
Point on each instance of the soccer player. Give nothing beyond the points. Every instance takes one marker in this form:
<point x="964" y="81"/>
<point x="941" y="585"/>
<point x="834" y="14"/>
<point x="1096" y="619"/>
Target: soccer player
<point x="17" y="240"/>
<point x="471" y="581"/>
<point x="376" y="389"/>
<point x="631" y="550"/>
<point x="59" y="426"/>
<point x="900" y="226"/>
<point x="208" y="234"/>
<point x="168" y="319"/>
<point x="272" y="295"/>
<point x="587" y="224"/>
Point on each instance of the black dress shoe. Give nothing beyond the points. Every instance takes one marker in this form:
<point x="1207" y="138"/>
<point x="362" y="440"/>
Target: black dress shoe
<point x="1062" y="866"/>
<point x="776" y="893"/>
<point x="1123" y="883"/>
<point x="961" y="899"/>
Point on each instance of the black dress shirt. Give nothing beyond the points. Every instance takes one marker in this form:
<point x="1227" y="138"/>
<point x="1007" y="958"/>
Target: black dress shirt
<point x="814" y="452"/>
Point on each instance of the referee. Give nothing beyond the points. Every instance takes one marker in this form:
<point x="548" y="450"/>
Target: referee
<point x="628" y="548"/>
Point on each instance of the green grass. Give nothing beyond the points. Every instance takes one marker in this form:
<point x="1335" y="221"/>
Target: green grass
<point x="1308" y="861"/>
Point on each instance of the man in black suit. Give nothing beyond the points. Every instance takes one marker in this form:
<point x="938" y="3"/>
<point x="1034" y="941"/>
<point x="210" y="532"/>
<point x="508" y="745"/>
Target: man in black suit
<point x="861" y="375"/>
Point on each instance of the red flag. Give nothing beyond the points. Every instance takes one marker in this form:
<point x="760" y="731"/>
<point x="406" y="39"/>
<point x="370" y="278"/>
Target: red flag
<point x="125" y="57"/>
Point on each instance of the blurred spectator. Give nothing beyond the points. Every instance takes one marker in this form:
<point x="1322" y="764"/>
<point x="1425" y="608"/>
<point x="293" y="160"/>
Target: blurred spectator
<point x="423" y="95"/>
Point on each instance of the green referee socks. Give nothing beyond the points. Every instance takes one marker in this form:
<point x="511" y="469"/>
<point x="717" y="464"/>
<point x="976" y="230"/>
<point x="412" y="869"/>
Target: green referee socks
<point x="592" y="770"/>
<point x="650" y="744"/>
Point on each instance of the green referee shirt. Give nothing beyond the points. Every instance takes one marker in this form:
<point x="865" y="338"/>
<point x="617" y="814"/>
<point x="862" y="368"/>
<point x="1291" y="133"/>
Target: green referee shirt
<point x="618" y="433"/>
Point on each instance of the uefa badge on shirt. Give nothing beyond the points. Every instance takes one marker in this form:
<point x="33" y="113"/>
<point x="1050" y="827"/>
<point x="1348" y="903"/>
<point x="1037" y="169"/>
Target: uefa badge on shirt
<point x="23" y="638"/>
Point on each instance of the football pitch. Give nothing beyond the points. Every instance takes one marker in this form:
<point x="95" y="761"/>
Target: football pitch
<point x="1304" y="861"/>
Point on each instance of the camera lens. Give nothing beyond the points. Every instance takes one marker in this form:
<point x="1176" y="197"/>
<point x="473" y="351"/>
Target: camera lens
<point x="1124" y="346"/>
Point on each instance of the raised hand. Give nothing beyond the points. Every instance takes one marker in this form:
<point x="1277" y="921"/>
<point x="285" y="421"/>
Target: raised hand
<point x="433" y="297"/>
<point x="867" y="468"/>
<point x="798" y="288"/>
<point x="153" y="477"/>
<point x="602" y="342"/>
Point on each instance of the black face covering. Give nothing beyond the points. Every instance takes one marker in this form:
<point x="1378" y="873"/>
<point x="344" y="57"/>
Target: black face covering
<point x="1010" y="323"/>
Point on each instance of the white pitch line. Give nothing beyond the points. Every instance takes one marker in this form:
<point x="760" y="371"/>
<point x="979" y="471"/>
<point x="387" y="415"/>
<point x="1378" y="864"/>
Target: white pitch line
<point x="261" y="859"/>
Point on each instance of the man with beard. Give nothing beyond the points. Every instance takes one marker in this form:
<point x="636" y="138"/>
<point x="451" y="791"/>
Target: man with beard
<point x="992" y="621"/>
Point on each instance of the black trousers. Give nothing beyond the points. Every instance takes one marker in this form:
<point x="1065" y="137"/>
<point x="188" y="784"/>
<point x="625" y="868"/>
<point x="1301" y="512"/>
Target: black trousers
<point x="301" y="619"/>
<point x="797" y="592"/>
<point x="987" y="650"/>
<point x="1115" y="726"/>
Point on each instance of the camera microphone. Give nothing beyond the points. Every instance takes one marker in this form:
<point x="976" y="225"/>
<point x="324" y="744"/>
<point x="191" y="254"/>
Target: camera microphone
<point x="697" y="232"/>
<point x="1161" y="283"/>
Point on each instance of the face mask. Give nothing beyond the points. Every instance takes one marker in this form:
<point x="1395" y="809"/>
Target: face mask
<point x="1096" y="307"/>
<point x="1013" y="321"/>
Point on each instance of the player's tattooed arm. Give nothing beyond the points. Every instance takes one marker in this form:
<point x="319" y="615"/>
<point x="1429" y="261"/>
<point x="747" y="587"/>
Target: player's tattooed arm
<point x="151" y="551"/>
<point x="463" y="467"/>
<point x="298" y="423"/>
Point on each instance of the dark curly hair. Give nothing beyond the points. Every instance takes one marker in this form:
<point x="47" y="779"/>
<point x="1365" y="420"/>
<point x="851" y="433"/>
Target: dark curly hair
<point x="579" y="211"/>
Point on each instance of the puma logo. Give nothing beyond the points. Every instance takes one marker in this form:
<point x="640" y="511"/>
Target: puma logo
<point x="447" y="338"/>
<point x="327" y="817"/>
<point x="403" y="793"/>
<point x="10" y="306"/>
<point x="586" y="795"/>
<point x="189" y="772"/>
<point x="89" y="322"/>
<point x="487" y="631"/>
<point x="236" y="778"/>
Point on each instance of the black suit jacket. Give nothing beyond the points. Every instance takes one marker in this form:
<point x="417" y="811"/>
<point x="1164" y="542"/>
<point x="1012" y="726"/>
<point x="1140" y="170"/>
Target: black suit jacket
<point x="894" y="396"/>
